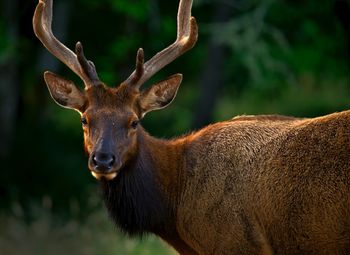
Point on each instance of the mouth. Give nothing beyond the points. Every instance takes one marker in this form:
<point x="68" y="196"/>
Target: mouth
<point x="107" y="176"/>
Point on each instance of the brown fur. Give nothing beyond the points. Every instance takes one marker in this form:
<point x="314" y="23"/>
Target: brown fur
<point x="267" y="185"/>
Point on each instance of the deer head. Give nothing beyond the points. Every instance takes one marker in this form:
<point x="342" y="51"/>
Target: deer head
<point x="110" y="116"/>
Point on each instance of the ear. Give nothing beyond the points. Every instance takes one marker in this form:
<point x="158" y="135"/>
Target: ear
<point x="64" y="92"/>
<point x="160" y="95"/>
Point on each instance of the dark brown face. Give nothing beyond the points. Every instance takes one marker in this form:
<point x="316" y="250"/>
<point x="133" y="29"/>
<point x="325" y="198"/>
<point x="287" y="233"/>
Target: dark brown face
<point x="110" y="118"/>
<point x="110" y="130"/>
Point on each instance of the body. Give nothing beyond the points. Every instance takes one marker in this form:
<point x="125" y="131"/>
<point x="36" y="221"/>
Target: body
<point x="274" y="195"/>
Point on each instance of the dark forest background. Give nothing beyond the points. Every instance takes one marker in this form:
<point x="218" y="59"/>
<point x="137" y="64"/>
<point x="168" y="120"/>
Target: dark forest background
<point x="253" y="57"/>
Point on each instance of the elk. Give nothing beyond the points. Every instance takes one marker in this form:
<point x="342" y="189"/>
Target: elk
<point x="264" y="184"/>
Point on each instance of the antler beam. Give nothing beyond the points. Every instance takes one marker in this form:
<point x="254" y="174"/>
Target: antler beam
<point x="187" y="33"/>
<point x="42" y="25"/>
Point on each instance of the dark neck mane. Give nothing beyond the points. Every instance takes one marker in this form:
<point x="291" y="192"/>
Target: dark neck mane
<point x="133" y="198"/>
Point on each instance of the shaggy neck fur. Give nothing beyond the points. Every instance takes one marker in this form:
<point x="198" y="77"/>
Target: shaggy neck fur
<point x="134" y="200"/>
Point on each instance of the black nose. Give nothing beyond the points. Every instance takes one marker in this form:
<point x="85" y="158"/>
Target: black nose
<point x="103" y="162"/>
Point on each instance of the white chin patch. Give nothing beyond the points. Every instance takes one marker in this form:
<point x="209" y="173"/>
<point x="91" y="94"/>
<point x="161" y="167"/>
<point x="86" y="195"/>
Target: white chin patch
<point x="108" y="177"/>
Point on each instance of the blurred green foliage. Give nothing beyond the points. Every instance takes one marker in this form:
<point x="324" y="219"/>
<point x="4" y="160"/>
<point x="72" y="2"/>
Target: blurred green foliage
<point x="286" y="57"/>
<point x="48" y="235"/>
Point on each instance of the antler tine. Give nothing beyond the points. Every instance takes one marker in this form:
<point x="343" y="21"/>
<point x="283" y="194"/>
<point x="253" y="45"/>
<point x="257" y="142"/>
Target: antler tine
<point x="88" y="66"/>
<point x="139" y="69"/>
<point x="42" y="23"/>
<point x="183" y="18"/>
<point x="187" y="33"/>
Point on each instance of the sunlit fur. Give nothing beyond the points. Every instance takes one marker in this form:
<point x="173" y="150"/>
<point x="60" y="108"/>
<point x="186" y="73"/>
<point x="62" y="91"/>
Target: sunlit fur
<point x="108" y="177"/>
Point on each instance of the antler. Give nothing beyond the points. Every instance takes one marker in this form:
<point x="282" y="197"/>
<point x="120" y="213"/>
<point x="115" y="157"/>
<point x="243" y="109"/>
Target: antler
<point x="187" y="33"/>
<point x="42" y="21"/>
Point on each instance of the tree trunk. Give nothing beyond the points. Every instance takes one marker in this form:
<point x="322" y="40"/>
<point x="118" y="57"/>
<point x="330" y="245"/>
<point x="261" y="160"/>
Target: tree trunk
<point x="342" y="12"/>
<point x="9" y="78"/>
<point x="211" y="80"/>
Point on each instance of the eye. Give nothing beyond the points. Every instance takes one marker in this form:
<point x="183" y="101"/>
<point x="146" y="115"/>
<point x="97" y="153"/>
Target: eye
<point x="134" y="124"/>
<point x="84" y="121"/>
